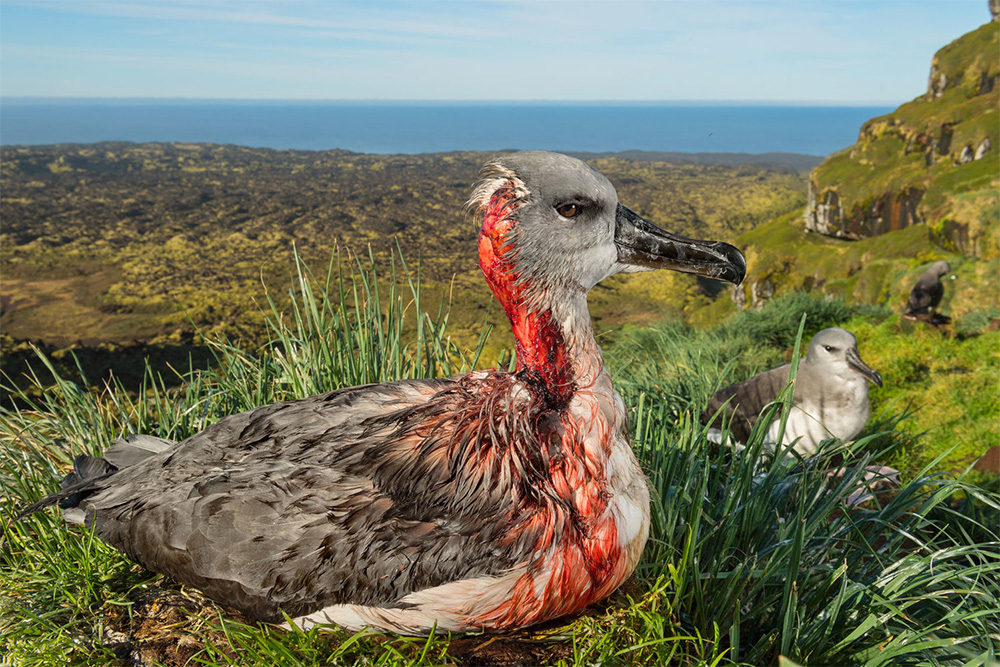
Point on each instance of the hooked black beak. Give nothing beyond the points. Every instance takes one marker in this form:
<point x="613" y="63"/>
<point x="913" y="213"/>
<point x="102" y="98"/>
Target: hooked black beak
<point x="643" y="244"/>
<point x="855" y="362"/>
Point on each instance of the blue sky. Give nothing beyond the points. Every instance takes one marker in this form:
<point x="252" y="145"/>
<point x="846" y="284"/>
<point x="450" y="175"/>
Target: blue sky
<point x="838" y="51"/>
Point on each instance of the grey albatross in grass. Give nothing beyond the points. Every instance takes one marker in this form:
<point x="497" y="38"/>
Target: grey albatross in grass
<point x="830" y="398"/>
<point x="488" y="501"/>
<point x="926" y="295"/>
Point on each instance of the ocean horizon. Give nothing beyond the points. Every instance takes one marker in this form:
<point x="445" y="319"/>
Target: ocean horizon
<point x="431" y="127"/>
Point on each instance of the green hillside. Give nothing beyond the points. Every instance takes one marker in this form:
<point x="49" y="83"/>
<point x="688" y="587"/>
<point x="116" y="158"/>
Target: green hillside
<point x="921" y="184"/>
<point x="933" y="161"/>
<point x="879" y="271"/>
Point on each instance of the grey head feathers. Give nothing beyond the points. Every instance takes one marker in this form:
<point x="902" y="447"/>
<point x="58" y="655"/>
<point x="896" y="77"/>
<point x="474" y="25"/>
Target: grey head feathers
<point x="939" y="268"/>
<point x="833" y="354"/>
<point x="571" y="232"/>
<point x="551" y="251"/>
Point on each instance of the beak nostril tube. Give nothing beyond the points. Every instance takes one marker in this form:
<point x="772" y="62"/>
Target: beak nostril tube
<point x="643" y="245"/>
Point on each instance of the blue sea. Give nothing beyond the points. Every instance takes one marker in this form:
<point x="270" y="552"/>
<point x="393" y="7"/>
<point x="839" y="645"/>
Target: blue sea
<point x="425" y="127"/>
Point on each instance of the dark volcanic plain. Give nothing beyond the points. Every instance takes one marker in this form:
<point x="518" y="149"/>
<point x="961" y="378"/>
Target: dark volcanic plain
<point x="122" y="250"/>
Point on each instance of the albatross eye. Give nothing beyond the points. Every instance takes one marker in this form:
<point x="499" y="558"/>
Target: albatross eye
<point x="568" y="210"/>
<point x="828" y="348"/>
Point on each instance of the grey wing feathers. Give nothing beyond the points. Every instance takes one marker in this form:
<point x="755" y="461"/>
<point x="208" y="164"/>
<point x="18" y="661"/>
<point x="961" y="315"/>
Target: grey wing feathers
<point x="89" y="471"/>
<point x="745" y="399"/>
<point x="135" y="449"/>
<point x="279" y="509"/>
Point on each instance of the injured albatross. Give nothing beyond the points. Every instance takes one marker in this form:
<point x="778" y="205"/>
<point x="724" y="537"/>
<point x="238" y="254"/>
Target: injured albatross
<point x="830" y="398"/>
<point x="491" y="500"/>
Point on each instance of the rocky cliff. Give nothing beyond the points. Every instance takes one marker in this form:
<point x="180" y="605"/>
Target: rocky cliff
<point x="933" y="161"/>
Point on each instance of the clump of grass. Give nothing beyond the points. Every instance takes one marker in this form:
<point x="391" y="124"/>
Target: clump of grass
<point x="976" y="321"/>
<point x="658" y="361"/>
<point x="782" y="560"/>
<point x="235" y="643"/>
<point x="777" y="323"/>
<point x="745" y="563"/>
<point x="346" y="327"/>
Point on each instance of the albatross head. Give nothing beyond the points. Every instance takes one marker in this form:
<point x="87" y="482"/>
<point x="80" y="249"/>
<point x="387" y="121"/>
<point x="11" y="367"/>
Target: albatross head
<point x="835" y="352"/>
<point x="939" y="268"/>
<point x="552" y="226"/>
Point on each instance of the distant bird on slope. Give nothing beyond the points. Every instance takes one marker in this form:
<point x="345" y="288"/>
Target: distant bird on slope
<point x="830" y="399"/>
<point x="927" y="293"/>
<point x="492" y="500"/>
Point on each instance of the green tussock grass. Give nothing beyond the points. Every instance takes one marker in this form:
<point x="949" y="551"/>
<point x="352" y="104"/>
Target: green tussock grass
<point x="747" y="561"/>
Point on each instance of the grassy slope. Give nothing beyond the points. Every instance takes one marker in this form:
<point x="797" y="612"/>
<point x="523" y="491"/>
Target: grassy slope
<point x="949" y="377"/>
<point x="949" y="386"/>
<point x="952" y="384"/>
<point x="875" y="271"/>
<point x="930" y="369"/>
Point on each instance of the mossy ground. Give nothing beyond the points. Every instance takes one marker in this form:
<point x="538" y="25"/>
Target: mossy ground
<point x="877" y="271"/>
<point x="952" y="384"/>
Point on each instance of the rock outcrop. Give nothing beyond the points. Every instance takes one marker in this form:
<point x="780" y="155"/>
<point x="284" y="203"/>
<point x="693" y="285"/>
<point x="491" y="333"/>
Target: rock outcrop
<point x="886" y="213"/>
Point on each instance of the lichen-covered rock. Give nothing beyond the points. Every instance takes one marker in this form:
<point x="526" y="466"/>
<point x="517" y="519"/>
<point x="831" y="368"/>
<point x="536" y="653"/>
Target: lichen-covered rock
<point x="823" y="216"/>
<point x="760" y="292"/>
<point x="739" y="296"/>
<point x="937" y="82"/>
<point x="887" y="212"/>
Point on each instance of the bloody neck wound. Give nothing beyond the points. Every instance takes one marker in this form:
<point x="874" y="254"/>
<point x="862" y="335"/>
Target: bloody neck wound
<point x="542" y="351"/>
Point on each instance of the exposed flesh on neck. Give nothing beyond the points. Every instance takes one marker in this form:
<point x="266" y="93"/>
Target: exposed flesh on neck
<point x="554" y="340"/>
